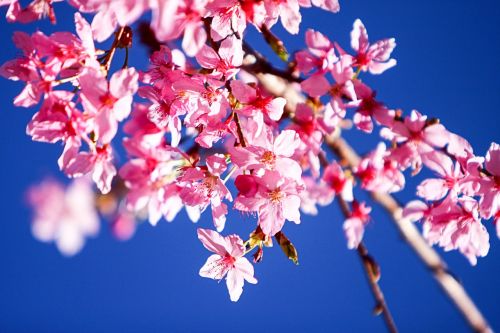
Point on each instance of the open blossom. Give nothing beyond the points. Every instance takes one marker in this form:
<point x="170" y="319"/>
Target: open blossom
<point x="337" y="181"/>
<point x="371" y="57"/>
<point x="320" y="55"/>
<point x="151" y="172"/>
<point x="416" y="138"/>
<point x="379" y="173"/>
<point x="201" y="186"/>
<point x="256" y="104"/>
<point x="274" y="154"/>
<point x="228" y="17"/>
<point x="98" y="162"/>
<point x="150" y="179"/>
<point x="226" y="62"/>
<point x="354" y="225"/>
<point x="451" y="179"/>
<point x="370" y="109"/>
<point x="188" y="22"/>
<point x="272" y="196"/>
<point x="228" y="261"/>
<point x="490" y="185"/>
<point x="453" y="224"/>
<point x="311" y="129"/>
<point x="109" y="102"/>
<point x="315" y="193"/>
<point x="64" y="216"/>
<point x="36" y="10"/>
<point x="45" y="58"/>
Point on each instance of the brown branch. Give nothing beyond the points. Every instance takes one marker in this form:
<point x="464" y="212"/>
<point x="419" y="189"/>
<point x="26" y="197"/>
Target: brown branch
<point x="430" y="258"/>
<point x="106" y="62"/>
<point x="453" y="289"/>
<point x="261" y="65"/>
<point x="372" y="271"/>
<point x="241" y="137"/>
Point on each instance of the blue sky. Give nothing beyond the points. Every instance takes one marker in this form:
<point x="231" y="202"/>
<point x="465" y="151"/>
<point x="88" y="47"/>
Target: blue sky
<point x="448" y="67"/>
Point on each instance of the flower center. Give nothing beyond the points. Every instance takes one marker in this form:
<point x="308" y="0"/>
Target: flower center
<point x="275" y="196"/>
<point x="268" y="158"/>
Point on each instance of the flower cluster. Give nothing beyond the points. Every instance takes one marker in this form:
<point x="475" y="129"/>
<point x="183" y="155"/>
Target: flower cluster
<point x="198" y="121"/>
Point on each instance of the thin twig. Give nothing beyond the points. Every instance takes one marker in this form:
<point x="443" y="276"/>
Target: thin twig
<point x="261" y="65"/>
<point x="372" y="271"/>
<point x="241" y="137"/>
<point x="430" y="258"/>
<point x="453" y="289"/>
<point x="109" y="56"/>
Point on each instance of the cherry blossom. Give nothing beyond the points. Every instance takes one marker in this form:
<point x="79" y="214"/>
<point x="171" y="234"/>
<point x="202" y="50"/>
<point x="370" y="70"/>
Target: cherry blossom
<point x="64" y="216"/>
<point x="274" y="198"/>
<point x="354" y="225"/>
<point x="202" y="124"/>
<point x="228" y="261"/>
<point x="371" y="57"/>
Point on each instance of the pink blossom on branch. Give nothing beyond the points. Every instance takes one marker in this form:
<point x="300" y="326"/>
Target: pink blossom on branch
<point x="228" y="261"/>
<point x="205" y="128"/>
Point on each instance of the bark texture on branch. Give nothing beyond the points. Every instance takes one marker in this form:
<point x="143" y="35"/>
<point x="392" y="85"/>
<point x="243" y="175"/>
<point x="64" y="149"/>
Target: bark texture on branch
<point x="430" y="258"/>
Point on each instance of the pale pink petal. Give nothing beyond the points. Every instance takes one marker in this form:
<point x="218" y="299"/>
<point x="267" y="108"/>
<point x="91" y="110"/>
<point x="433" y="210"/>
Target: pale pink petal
<point x="212" y="268"/>
<point x="212" y="241"/>
<point x="286" y="143"/>
<point x="234" y="282"/>
<point x="315" y="85"/>
<point x="432" y="189"/>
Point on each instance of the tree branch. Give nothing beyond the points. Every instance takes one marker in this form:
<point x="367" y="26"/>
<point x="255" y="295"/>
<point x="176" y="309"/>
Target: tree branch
<point x="430" y="258"/>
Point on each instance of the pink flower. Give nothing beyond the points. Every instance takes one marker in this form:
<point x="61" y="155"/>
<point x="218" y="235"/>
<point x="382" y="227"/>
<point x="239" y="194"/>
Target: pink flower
<point x="256" y="104"/>
<point x="187" y="21"/>
<point x="164" y="111"/>
<point x="369" y="108"/>
<point x="354" y="225"/>
<point x="272" y="196"/>
<point x="379" y="173"/>
<point x="374" y="57"/>
<point x="228" y="18"/>
<point x="202" y="186"/>
<point x="64" y="216"/>
<point x="58" y="119"/>
<point x="151" y="183"/>
<point x="109" y="102"/>
<point x="36" y="10"/>
<point x="490" y="183"/>
<point x="226" y="62"/>
<point x="315" y="193"/>
<point x="320" y="56"/>
<point x="123" y="225"/>
<point x="416" y="138"/>
<point x="451" y="176"/>
<point x="228" y="261"/>
<point x="98" y="162"/>
<point x="337" y="181"/>
<point x="287" y="10"/>
<point x="274" y="154"/>
<point x="311" y="130"/>
<point x="466" y="232"/>
<point x="453" y="224"/>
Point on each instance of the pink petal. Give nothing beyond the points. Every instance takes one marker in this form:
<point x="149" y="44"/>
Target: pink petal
<point x="212" y="241"/>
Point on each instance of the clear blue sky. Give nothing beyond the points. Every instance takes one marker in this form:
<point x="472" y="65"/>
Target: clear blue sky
<point x="448" y="65"/>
